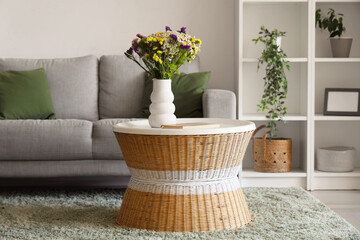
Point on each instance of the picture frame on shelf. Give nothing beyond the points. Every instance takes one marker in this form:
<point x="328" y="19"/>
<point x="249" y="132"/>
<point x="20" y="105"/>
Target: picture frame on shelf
<point x="342" y="101"/>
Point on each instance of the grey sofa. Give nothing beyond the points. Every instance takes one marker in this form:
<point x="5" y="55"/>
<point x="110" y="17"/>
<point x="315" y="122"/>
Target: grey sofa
<point x="89" y="96"/>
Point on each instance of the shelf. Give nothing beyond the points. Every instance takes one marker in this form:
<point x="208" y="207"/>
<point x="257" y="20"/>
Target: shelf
<point x="261" y="117"/>
<point x="289" y="16"/>
<point x="273" y="1"/>
<point x="312" y="70"/>
<point x="320" y="117"/>
<point x="250" y="60"/>
<point x="252" y="90"/>
<point x="355" y="173"/>
<point x="337" y="60"/>
<point x="250" y="173"/>
<point x="337" y="1"/>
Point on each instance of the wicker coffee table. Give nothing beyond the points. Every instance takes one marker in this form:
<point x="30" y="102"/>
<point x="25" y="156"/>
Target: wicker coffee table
<point x="184" y="180"/>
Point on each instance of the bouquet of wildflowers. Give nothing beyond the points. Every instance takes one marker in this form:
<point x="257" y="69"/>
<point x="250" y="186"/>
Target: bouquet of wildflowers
<point x="162" y="53"/>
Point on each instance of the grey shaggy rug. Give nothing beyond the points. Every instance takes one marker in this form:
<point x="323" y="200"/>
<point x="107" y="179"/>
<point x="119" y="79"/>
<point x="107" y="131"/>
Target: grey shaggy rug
<point x="278" y="213"/>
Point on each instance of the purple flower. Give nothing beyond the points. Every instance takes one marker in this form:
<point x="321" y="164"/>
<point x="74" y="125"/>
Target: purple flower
<point x="182" y="30"/>
<point x="137" y="49"/>
<point x="167" y="28"/>
<point x="140" y="36"/>
<point x="129" y="51"/>
<point x="141" y="55"/>
<point x="186" y="47"/>
<point x="173" y="36"/>
<point x="133" y="42"/>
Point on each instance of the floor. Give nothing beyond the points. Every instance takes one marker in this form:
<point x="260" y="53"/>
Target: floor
<point x="344" y="203"/>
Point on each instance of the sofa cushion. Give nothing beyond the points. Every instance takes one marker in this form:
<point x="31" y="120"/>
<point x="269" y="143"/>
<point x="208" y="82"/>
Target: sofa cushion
<point x="105" y="145"/>
<point x="45" y="139"/>
<point x="122" y="86"/>
<point x="25" y="95"/>
<point x="41" y="169"/>
<point x="73" y="83"/>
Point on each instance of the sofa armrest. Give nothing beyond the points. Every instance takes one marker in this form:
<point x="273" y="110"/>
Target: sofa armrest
<point x="219" y="103"/>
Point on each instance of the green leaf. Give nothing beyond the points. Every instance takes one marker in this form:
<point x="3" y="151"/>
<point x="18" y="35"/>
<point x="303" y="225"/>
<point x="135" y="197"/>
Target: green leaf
<point x="332" y="22"/>
<point x="275" y="82"/>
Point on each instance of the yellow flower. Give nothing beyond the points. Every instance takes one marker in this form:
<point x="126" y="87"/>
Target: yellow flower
<point x="156" y="58"/>
<point x="198" y="41"/>
<point x="155" y="48"/>
<point x="159" y="52"/>
<point x="150" y="39"/>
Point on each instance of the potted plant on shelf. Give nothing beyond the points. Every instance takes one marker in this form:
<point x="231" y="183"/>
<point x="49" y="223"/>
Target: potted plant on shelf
<point x="160" y="55"/>
<point x="340" y="46"/>
<point x="272" y="154"/>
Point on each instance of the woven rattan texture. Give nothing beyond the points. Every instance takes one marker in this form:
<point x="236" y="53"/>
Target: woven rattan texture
<point x="272" y="156"/>
<point x="184" y="213"/>
<point x="183" y="152"/>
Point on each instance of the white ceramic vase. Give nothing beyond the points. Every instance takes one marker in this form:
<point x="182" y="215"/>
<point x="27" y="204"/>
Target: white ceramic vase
<point x="162" y="107"/>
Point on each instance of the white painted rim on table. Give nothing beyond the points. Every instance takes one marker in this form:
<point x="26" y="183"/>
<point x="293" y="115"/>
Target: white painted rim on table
<point x="226" y="126"/>
<point x="188" y="188"/>
<point x="193" y="182"/>
<point x="184" y="176"/>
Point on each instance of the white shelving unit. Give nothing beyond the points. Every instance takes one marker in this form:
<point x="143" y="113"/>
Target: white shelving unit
<point x="255" y="60"/>
<point x="338" y="60"/>
<point x="261" y="117"/>
<point x="312" y="70"/>
<point x="320" y="117"/>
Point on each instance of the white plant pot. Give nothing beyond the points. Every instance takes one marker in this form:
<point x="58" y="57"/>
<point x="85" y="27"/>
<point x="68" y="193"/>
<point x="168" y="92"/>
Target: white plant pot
<point x="162" y="108"/>
<point x="341" y="47"/>
<point x="278" y="42"/>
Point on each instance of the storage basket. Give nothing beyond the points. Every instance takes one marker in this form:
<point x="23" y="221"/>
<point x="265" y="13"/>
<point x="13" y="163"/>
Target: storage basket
<point x="271" y="156"/>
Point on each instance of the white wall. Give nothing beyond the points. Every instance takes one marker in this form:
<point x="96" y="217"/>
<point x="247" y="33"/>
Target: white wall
<point x="68" y="28"/>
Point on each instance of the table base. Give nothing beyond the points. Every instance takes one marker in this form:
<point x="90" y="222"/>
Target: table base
<point x="183" y="213"/>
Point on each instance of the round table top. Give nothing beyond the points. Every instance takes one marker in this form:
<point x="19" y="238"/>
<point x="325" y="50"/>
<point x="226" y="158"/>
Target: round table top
<point x="226" y="126"/>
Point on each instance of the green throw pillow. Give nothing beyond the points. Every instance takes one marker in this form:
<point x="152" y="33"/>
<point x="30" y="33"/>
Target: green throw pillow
<point x="187" y="90"/>
<point x="25" y="95"/>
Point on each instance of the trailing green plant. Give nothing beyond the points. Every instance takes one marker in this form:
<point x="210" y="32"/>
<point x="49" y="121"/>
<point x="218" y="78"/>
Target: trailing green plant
<point x="275" y="82"/>
<point x="332" y="22"/>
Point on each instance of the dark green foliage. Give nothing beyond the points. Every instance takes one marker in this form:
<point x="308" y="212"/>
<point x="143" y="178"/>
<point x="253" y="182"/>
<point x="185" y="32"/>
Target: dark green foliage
<point x="333" y="22"/>
<point x="275" y="82"/>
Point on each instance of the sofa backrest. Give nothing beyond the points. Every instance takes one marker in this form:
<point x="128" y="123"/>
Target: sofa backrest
<point x="122" y="86"/>
<point x="73" y="83"/>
